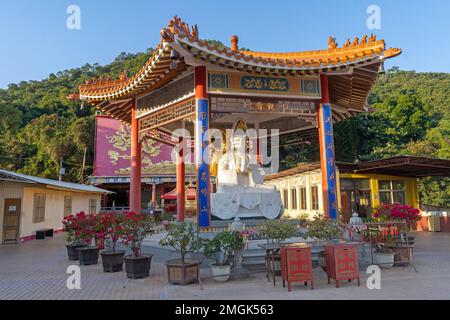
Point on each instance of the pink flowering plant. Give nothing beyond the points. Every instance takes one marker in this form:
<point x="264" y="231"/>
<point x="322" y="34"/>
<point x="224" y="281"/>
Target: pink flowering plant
<point x="386" y="212"/>
<point x="135" y="227"/>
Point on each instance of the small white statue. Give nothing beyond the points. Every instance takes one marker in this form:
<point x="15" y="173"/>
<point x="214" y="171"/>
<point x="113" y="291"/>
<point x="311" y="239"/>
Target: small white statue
<point x="355" y="219"/>
<point x="237" y="225"/>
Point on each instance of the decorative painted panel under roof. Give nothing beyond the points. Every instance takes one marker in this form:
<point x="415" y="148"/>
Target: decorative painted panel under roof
<point x="352" y="68"/>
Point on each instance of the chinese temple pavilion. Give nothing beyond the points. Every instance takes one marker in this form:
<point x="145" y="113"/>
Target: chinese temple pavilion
<point x="192" y="84"/>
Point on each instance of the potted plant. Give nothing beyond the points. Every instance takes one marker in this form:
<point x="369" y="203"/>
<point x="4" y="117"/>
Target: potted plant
<point x="71" y="227"/>
<point x="88" y="231"/>
<point x="182" y="237"/>
<point x="323" y="230"/>
<point x="406" y="213"/>
<point x="385" y="258"/>
<point x="167" y="219"/>
<point x="278" y="231"/>
<point x="136" y="227"/>
<point x="222" y="248"/>
<point x="113" y="230"/>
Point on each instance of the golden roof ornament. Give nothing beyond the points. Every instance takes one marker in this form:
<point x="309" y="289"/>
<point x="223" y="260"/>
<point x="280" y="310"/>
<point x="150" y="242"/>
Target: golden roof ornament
<point x="347" y="43"/>
<point x="364" y="40"/>
<point x="176" y="25"/>
<point x="332" y="44"/>
<point x="123" y="75"/>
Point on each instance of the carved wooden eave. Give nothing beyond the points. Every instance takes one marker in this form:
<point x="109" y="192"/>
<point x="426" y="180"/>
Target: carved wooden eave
<point x="352" y="69"/>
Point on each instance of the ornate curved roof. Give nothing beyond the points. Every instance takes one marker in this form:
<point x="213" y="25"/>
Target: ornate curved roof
<point x="352" y="68"/>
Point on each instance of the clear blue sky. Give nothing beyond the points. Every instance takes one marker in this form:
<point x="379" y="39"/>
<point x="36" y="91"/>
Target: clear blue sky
<point x="35" y="42"/>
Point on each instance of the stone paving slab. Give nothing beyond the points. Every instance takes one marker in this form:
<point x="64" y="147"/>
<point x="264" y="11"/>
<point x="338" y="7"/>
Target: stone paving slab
<point x="36" y="270"/>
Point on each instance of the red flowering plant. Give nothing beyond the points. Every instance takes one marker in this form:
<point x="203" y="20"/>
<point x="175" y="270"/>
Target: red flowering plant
<point x="81" y="228"/>
<point x="386" y="212"/>
<point x="135" y="227"/>
<point x="110" y="227"/>
<point x="71" y="227"/>
<point x="76" y="228"/>
<point x="90" y="228"/>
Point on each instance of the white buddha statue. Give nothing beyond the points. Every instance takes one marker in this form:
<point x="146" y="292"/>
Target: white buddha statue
<point x="240" y="191"/>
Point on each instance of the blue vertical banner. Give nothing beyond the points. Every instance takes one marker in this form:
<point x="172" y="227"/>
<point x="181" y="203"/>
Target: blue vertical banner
<point x="328" y="141"/>
<point x="202" y="163"/>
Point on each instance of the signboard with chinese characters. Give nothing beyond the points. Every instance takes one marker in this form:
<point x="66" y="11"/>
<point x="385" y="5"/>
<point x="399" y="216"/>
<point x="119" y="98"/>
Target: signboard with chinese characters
<point x="327" y="125"/>
<point x="203" y="178"/>
<point x="241" y="83"/>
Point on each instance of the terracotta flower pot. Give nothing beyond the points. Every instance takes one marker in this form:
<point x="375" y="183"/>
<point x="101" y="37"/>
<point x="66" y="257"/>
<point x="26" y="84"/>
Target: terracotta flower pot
<point x="112" y="261"/>
<point x="138" y="267"/>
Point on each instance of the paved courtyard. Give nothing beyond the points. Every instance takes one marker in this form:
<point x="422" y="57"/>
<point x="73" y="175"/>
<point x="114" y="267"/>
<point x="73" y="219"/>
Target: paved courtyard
<point x="37" y="270"/>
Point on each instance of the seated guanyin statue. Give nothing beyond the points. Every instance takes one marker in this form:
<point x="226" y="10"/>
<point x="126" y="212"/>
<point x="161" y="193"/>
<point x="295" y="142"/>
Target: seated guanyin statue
<point x="240" y="191"/>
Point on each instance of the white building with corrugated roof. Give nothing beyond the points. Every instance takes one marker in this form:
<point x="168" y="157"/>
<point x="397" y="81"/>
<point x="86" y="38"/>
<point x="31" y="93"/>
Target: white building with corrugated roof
<point x="31" y="203"/>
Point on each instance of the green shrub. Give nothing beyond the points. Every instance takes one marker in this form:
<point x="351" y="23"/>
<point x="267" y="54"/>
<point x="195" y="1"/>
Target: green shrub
<point x="279" y="230"/>
<point x="223" y="246"/>
<point x="323" y="229"/>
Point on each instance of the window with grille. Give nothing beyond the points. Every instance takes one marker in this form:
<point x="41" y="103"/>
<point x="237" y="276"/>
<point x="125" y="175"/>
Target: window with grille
<point x="303" y="204"/>
<point x="285" y="199"/>
<point x="314" y="198"/>
<point x="92" y="205"/>
<point x="39" y="207"/>
<point x="67" y="206"/>
<point x="294" y="199"/>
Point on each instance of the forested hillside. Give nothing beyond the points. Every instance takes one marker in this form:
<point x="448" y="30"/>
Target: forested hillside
<point x="38" y="125"/>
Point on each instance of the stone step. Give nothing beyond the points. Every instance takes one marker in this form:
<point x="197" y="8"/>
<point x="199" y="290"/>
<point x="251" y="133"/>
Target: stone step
<point x="254" y="261"/>
<point x="254" y="253"/>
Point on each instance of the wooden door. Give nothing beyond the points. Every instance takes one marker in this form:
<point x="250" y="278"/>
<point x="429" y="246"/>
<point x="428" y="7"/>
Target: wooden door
<point x="11" y="220"/>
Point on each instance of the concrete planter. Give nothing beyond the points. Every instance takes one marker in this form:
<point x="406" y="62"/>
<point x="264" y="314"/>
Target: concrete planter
<point x="322" y="260"/>
<point x="384" y="259"/>
<point x="221" y="273"/>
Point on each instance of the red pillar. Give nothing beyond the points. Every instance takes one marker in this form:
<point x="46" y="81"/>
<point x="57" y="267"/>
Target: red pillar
<point x="327" y="157"/>
<point x="135" y="172"/>
<point x="181" y="185"/>
<point x="154" y="195"/>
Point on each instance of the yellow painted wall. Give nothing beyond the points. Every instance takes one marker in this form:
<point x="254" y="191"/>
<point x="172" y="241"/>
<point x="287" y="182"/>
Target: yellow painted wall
<point x="54" y="208"/>
<point x="411" y="192"/>
<point x="314" y="177"/>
